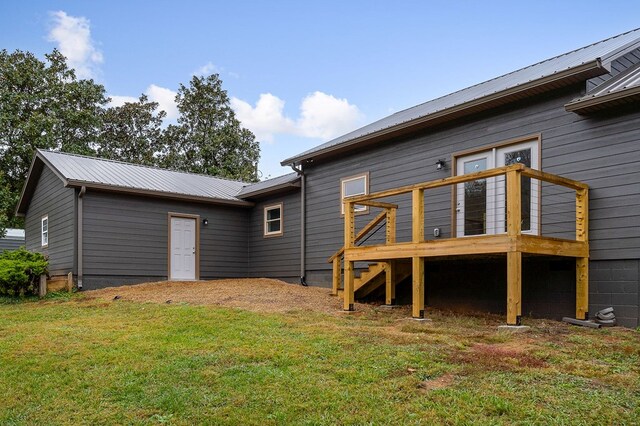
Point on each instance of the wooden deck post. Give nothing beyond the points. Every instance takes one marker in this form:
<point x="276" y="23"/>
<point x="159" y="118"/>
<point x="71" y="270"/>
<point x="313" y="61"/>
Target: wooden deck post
<point x="514" y="258"/>
<point x="349" y="241"/>
<point x="514" y="287"/>
<point x="417" y="272"/>
<point x="336" y="276"/>
<point x="390" y="287"/>
<point x="391" y="226"/>
<point x="582" y="263"/>
<point x="417" y="269"/>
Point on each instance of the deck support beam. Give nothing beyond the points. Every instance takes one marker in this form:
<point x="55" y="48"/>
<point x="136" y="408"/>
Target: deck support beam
<point x="514" y="287"/>
<point x="417" y="272"/>
<point x="390" y="283"/>
<point x="582" y="263"/>
<point x="336" y="276"/>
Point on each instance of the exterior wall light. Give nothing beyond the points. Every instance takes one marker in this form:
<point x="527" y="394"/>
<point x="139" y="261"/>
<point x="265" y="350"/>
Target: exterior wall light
<point x="441" y="165"/>
<point x="205" y="221"/>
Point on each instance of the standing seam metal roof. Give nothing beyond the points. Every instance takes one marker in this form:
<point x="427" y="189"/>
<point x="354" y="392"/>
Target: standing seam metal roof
<point x="605" y="50"/>
<point x="79" y="169"/>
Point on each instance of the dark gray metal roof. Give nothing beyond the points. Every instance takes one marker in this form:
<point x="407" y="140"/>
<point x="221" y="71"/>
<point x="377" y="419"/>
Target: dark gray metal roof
<point x="79" y="170"/>
<point x="621" y="89"/>
<point x="270" y="185"/>
<point x="599" y="54"/>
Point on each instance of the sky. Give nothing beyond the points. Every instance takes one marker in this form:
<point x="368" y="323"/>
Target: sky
<point x="300" y="73"/>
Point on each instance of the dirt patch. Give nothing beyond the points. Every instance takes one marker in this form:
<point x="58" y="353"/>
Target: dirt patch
<point x="499" y="357"/>
<point x="258" y="295"/>
<point x="438" y="383"/>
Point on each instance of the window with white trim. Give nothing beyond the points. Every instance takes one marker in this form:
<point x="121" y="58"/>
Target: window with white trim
<point x="44" y="231"/>
<point x="351" y="186"/>
<point x="273" y="220"/>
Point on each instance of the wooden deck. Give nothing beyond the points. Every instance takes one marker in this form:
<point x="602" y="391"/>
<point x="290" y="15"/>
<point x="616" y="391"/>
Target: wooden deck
<point x="513" y="242"/>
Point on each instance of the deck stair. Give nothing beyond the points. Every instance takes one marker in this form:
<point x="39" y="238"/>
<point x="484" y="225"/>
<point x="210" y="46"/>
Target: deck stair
<point x="374" y="277"/>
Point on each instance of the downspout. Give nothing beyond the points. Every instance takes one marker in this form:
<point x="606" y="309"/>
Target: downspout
<point x="80" y="198"/>
<point x="303" y="183"/>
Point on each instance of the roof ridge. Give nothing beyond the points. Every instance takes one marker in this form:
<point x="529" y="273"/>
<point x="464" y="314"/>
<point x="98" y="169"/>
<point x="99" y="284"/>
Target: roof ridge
<point x="108" y="160"/>
<point x="518" y="70"/>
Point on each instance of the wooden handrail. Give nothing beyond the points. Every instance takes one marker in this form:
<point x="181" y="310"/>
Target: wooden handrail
<point x="555" y="179"/>
<point x="376" y="220"/>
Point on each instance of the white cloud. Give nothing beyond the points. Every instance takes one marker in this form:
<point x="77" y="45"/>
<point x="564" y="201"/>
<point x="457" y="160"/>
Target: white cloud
<point x="73" y="37"/>
<point x="266" y="119"/>
<point x="117" y="101"/>
<point x="166" y="99"/>
<point x="207" y="69"/>
<point x="322" y="116"/>
<point x="326" y="117"/>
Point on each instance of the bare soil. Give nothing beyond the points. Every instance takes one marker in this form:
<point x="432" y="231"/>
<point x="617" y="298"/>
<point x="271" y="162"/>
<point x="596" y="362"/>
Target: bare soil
<point x="253" y="294"/>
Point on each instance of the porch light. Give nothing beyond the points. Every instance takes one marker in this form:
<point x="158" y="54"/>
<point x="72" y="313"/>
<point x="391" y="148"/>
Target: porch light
<point x="205" y="221"/>
<point x="440" y="164"/>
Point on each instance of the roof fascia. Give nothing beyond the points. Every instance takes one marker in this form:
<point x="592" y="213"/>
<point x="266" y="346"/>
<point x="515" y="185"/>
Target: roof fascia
<point x="27" y="193"/>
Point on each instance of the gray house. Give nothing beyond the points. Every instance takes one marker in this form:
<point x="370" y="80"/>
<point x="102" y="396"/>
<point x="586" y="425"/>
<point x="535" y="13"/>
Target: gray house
<point x="13" y="239"/>
<point x="536" y="172"/>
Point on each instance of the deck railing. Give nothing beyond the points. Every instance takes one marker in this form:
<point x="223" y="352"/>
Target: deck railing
<point x="509" y="239"/>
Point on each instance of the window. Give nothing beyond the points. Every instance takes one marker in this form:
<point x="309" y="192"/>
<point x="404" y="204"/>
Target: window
<point x="45" y="231"/>
<point x="481" y="204"/>
<point x="273" y="220"/>
<point x="354" y="185"/>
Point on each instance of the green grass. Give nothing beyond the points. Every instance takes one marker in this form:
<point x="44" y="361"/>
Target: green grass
<point x="76" y="361"/>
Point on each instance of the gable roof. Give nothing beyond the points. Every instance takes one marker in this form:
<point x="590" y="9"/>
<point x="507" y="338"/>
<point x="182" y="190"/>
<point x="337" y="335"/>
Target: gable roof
<point x="562" y="70"/>
<point x="268" y="186"/>
<point x="78" y="170"/>
<point x="621" y="89"/>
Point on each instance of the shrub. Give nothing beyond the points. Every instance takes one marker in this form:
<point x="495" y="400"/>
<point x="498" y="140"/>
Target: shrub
<point x="20" y="271"/>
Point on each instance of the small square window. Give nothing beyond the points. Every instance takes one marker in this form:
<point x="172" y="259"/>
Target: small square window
<point x="354" y="185"/>
<point x="273" y="220"/>
<point x="45" y="231"/>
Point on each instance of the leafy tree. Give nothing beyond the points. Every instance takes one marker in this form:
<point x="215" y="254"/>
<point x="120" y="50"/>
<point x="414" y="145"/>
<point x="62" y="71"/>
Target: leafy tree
<point x="132" y="132"/>
<point x="43" y="105"/>
<point x="7" y="201"/>
<point x="208" y="138"/>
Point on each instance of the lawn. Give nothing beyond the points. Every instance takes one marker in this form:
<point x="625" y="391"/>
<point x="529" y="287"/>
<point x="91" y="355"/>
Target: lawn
<point x="80" y="360"/>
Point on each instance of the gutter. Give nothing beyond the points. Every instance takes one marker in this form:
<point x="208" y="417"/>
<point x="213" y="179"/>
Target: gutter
<point x="303" y="205"/>
<point x="81" y="193"/>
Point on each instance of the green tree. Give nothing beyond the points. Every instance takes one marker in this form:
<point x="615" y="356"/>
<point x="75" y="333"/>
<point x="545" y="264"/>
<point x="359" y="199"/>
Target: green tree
<point x="43" y="105"/>
<point x="132" y="132"/>
<point x="208" y="138"/>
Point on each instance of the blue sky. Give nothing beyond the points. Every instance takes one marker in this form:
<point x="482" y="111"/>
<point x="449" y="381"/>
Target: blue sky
<point x="299" y="72"/>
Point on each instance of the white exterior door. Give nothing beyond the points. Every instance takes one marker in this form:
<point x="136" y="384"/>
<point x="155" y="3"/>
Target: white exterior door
<point x="183" y="249"/>
<point x="480" y="205"/>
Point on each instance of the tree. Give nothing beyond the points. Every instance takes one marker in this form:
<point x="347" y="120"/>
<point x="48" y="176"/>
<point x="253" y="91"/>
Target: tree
<point x="208" y="138"/>
<point x="43" y="105"/>
<point x="132" y="132"/>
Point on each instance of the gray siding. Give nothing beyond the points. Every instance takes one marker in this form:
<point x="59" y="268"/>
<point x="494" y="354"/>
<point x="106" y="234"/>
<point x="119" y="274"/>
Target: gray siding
<point x="601" y="151"/>
<point x="53" y="199"/>
<point x="10" y="243"/>
<point x="276" y="257"/>
<point x="126" y="238"/>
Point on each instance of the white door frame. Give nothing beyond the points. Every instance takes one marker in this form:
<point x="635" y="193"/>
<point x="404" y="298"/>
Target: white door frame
<point x="196" y="218"/>
<point x="496" y="186"/>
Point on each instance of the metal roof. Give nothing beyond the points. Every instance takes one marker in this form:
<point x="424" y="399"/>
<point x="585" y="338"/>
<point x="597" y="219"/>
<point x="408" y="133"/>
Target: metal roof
<point x="14" y="234"/>
<point x="585" y="62"/>
<point x="270" y="185"/>
<point x="79" y="170"/>
<point x="621" y="89"/>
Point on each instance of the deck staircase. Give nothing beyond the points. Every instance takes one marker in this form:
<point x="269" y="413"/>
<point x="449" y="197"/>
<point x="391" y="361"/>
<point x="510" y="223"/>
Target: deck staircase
<point x="373" y="278"/>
